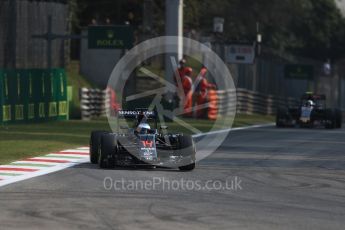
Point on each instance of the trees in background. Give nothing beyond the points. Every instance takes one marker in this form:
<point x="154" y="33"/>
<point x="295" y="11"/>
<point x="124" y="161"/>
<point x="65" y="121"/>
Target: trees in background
<point x="310" y="28"/>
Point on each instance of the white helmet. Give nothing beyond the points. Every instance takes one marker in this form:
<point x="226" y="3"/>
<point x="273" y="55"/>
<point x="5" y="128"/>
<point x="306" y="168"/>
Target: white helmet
<point x="310" y="103"/>
<point x="143" y="128"/>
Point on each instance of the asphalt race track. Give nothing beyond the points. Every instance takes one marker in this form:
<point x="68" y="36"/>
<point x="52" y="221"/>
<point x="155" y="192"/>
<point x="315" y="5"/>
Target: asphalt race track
<point x="281" y="179"/>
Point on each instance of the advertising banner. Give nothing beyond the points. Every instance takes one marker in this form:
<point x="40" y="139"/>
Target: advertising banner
<point x="29" y="95"/>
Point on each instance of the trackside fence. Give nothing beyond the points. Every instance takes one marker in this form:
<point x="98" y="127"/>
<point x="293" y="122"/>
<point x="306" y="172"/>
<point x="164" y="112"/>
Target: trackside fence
<point x="32" y="95"/>
<point x="95" y="102"/>
<point x="249" y="102"/>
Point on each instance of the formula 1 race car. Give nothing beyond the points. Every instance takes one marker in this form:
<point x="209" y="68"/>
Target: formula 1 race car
<point x="310" y="113"/>
<point x="141" y="145"/>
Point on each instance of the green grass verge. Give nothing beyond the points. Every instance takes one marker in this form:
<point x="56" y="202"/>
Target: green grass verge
<point x="28" y="140"/>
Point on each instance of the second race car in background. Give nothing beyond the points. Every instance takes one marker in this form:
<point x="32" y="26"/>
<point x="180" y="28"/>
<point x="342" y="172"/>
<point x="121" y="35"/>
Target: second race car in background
<point x="311" y="112"/>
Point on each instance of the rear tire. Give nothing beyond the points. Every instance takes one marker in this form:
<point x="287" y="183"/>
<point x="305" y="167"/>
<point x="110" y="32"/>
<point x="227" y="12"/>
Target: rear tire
<point x="107" y="149"/>
<point x="281" y="114"/>
<point x="95" y="140"/>
<point x="187" y="147"/>
<point x="339" y="118"/>
<point x="331" y="119"/>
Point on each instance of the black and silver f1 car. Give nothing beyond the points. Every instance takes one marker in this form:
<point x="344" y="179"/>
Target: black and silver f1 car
<point x="311" y="112"/>
<point x="141" y="145"/>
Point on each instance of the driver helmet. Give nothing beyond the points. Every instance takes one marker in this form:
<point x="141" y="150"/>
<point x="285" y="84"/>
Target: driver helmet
<point x="310" y="103"/>
<point x="143" y="128"/>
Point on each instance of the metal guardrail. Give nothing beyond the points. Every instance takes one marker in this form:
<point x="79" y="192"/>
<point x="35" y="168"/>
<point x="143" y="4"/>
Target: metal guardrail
<point x="250" y="102"/>
<point x="95" y="102"/>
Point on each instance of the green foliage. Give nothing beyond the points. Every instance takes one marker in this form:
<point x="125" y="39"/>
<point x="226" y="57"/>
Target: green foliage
<point x="310" y="28"/>
<point x="73" y="18"/>
<point x="322" y="30"/>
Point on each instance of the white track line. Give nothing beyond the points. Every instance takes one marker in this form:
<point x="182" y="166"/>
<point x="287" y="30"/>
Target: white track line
<point x="21" y="166"/>
<point x="13" y="172"/>
<point x="66" y="156"/>
<point x="34" y="162"/>
<point x="232" y="129"/>
<point x="76" y="150"/>
<point x="47" y="157"/>
<point x="83" y="148"/>
<point x="6" y="177"/>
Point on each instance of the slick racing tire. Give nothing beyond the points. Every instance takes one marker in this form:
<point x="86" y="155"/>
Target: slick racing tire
<point x="107" y="149"/>
<point x="281" y="114"/>
<point x="338" y="118"/>
<point x="95" y="139"/>
<point x="187" y="147"/>
<point x="189" y="167"/>
<point x="331" y="119"/>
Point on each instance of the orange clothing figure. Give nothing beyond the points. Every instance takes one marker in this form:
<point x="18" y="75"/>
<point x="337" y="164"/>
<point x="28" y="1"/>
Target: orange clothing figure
<point x="187" y="84"/>
<point x="113" y="104"/>
<point x="201" y="93"/>
<point x="184" y="85"/>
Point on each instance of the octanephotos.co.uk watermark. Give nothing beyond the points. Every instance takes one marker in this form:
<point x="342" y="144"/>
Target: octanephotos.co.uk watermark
<point x="165" y="184"/>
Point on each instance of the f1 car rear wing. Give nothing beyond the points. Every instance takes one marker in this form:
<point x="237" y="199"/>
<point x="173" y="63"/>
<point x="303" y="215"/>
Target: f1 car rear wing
<point x="137" y="114"/>
<point x="134" y="113"/>
<point x="309" y="96"/>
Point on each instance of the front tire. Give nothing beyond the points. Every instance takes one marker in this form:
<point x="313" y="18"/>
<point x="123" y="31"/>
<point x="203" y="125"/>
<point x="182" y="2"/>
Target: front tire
<point x="189" y="167"/>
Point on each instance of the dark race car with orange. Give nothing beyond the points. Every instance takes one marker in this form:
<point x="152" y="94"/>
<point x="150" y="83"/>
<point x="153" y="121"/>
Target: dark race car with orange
<point x="140" y="145"/>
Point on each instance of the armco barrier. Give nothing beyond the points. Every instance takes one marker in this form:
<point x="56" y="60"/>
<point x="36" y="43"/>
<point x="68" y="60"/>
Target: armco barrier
<point x="30" y="95"/>
<point x="95" y="102"/>
<point x="250" y="102"/>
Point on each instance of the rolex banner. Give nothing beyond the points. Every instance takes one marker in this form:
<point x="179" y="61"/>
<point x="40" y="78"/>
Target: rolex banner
<point x="33" y="95"/>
